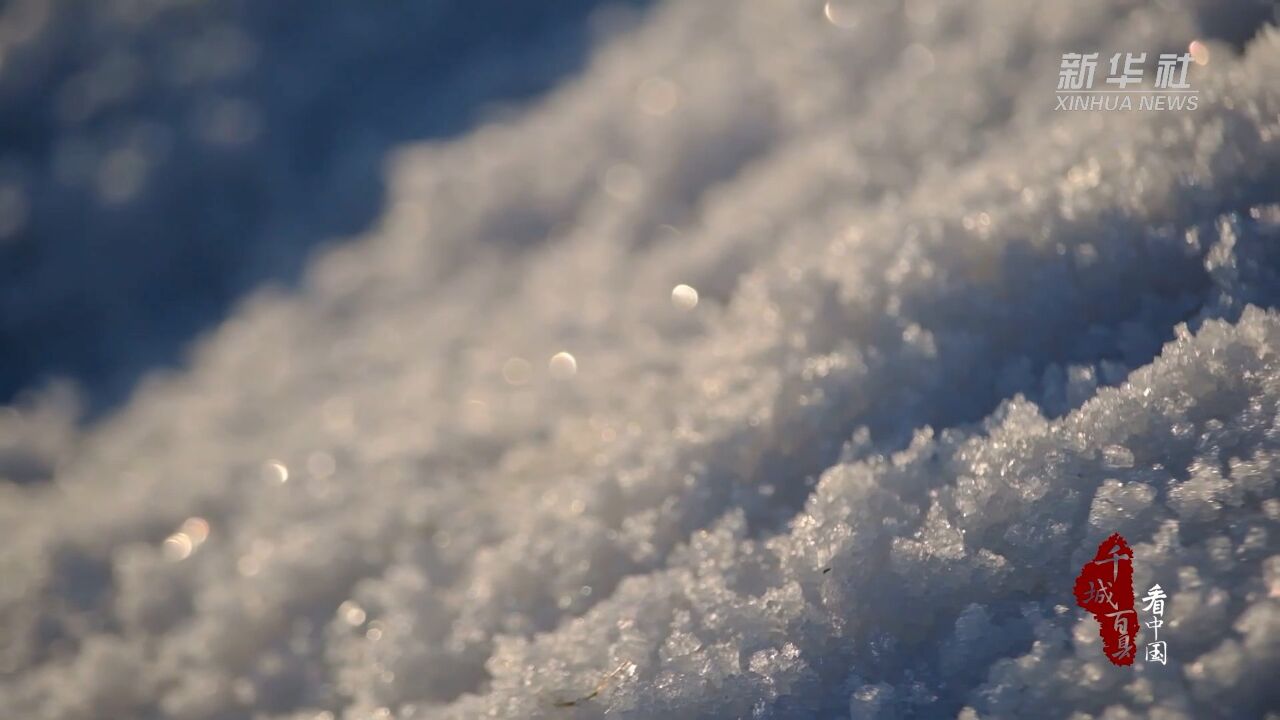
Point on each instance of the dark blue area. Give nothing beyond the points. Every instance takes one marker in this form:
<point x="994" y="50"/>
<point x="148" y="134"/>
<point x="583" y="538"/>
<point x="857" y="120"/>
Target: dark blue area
<point x="101" y="283"/>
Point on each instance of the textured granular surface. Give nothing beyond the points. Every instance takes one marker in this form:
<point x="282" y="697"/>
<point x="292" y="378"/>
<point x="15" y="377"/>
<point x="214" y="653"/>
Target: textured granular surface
<point x="781" y="363"/>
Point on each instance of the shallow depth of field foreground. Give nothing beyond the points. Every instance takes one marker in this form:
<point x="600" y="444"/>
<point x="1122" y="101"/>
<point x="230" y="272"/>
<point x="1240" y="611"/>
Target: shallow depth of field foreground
<point x="777" y="360"/>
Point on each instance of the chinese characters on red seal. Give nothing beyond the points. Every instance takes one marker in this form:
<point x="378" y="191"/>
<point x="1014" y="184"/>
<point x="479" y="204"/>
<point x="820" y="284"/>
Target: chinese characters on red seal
<point x="1104" y="587"/>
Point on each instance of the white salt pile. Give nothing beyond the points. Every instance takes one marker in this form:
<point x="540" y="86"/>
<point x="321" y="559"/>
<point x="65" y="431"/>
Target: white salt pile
<point x="929" y="343"/>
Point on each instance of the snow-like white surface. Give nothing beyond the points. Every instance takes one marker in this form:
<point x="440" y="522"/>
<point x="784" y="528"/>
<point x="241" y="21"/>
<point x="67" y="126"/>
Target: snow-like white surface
<point x="487" y="463"/>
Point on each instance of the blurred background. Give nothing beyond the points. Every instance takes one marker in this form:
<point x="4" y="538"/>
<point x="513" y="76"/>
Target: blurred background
<point x="160" y="157"/>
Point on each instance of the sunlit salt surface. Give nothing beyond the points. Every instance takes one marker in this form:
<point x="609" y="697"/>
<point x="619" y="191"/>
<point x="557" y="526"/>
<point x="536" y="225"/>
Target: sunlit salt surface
<point x="785" y="362"/>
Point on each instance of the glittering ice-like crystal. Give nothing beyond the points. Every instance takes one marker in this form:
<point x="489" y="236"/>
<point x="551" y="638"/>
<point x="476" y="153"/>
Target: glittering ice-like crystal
<point x="486" y="462"/>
